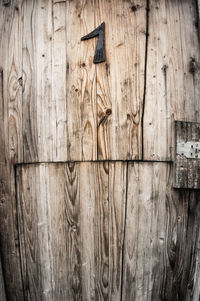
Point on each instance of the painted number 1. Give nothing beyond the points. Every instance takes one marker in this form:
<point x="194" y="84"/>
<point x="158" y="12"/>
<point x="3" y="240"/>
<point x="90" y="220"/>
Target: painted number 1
<point x="100" y="55"/>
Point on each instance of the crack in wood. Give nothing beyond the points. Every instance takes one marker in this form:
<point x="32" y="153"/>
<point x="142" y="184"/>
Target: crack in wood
<point x="145" y="73"/>
<point x="124" y="232"/>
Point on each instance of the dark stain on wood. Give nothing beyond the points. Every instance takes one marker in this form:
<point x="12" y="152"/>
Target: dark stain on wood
<point x="6" y="2"/>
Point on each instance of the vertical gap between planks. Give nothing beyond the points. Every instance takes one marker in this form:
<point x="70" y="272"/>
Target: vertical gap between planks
<point x="109" y="215"/>
<point x="198" y="16"/>
<point x="22" y="75"/>
<point x="145" y="73"/>
<point x="95" y="2"/>
<point x="66" y="79"/>
<point x="18" y="230"/>
<point x="1" y="263"/>
<point x="51" y="56"/>
<point x="124" y="230"/>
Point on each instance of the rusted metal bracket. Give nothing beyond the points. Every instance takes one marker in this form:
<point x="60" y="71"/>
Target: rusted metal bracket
<point x="100" y="55"/>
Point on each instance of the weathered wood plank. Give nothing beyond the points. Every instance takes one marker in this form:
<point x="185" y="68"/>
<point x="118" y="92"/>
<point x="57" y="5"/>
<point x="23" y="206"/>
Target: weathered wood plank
<point x="10" y="140"/>
<point x="117" y="205"/>
<point x="187" y="170"/>
<point x="173" y="74"/>
<point x="81" y="82"/>
<point x="59" y="61"/>
<point x="198" y="21"/>
<point x="161" y="236"/>
<point x="97" y="272"/>
<point x="120" y="80"/>
<point x="71" y="219"/>
<point x="196" y="289"/>
<point x="30" y="119"/>
<point x="39" y="122"/>
<point x="2" y="287"/>
<point x="35" y="233"/>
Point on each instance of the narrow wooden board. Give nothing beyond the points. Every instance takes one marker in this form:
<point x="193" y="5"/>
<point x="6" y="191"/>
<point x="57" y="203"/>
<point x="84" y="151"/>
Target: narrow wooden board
<point x="59" y="77"/>
<point x="10" y="141"/>
<point x="30" y="131"/>
<point x="120" y="80"/>
<point x="198" y="21"/>
<point x="71" y="219"/>
<point x="161" y="236"/>
<point x="117" y="207"/>
<point x="173" y="74"/>
<point x="81" y="82"/>
<point x="186" y="170"/>
<point x="196" y="290"/>
<point x="39" y="112"/>
<point x="2" y="287"/>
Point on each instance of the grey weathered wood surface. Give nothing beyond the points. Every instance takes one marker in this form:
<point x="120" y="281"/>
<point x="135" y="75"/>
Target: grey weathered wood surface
<point x="81" y="82"/>
<point x="186" y="170"/>
<point x="86" y="235"/>
<point x="74" y="110"/>
<point x="55" y="105"/>
<point x="198" y="7"/>
<point x="2" y="287"/>
<point x="197" y="272"/>
<point x="161" y="236"/>
<point x="71" y="219"/>
<point x="173" y="74"/>
<point x="10" y="141"/>
<point x="120" y="80"/>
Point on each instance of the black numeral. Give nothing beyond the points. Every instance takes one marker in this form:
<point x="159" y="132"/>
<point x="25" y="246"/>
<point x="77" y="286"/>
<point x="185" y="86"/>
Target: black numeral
<point x="100" y="55"/>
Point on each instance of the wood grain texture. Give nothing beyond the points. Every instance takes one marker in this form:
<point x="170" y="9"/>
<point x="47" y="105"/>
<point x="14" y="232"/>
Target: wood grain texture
<point x="44" y="75"/>
<point x="198" y="13"/>
<point x="186" y="170"/>
<point x="120" y="81"/>
<point x="10" y="141"/>
<point x="117" y="206"/>
<point x="161" y="237"/>
<point x="59" y="61"/>
<point x="30" y="134"/>
<point x="81" y="82"/>
<point x="72" y="108"/>
<point x="196" y="290"/>
<point x="173" y="74"/>
<point x="39" y="112"/>
<point x="110" y="230"/>
<point x="2" y="287"/>
<point x="59" y="114"/>
<point x="34" y="226"/>
<point x="71" y="219"/>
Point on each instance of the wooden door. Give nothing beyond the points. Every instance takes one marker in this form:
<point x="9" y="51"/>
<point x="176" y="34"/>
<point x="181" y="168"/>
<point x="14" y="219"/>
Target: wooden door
<point x="87" y="205"/>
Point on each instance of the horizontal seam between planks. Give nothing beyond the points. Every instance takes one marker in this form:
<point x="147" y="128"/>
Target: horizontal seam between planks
<point x="91" y="161"/>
